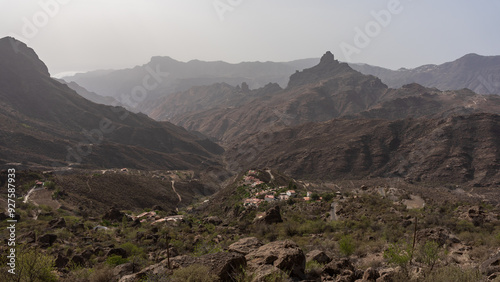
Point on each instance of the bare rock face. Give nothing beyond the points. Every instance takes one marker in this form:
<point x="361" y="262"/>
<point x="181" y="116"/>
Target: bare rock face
<point x="273" y="215"/>
<point x="285" y="255"/>
<point x="123" y="269"/>
<point x="57" y="223"/>
<point x="246" y="245"/>
<point x="478" y="216"/>
<point x="318" y="256"/>
<point x="268" y="272"/>
<point x="224" y="265"/>
<point x="491" y="265"/>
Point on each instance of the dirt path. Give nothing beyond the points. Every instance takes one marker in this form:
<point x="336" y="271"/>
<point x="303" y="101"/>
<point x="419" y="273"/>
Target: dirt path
<point x="88" y="180"/>
<point x="333" y="215"/>
<point x="173" y="188"/>
<point x="270" y="174"/>
<point x="26" y="198"/>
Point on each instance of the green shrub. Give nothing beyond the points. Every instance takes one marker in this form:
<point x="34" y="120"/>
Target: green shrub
<point x="50" y="185"/>
<point x="429" y="253"/>
<point x="399" y="254"/>
<point x="193" y="273"/>
<point x="204" y="248"/>
<point x="132" y="249"/>
<point x="115" y="260"/>
<point x="33" y="265"/>
<point x="346" y="245"/>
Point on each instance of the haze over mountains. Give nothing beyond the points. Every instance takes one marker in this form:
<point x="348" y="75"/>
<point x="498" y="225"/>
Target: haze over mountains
<point x="331" y="152"/>
<point x="45" y="123"/>
<point x="480" y="74"/>
<point x="46" y="118"/>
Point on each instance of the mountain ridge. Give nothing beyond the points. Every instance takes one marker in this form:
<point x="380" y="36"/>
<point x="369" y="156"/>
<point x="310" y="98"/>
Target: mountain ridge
<point x="46" y="123"/>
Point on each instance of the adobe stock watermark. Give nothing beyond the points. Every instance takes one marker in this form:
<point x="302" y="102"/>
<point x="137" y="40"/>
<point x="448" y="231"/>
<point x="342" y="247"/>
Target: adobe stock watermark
<point x="221" y="7"/>
<point x="32" y="26"/>
<point x="363" y="36"/>
<point x="95" y="137"/>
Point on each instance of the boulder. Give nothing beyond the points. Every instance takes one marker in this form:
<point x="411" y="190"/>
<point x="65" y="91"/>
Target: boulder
<point x="124" y="269"/>
<point x="57" y="223"/>
<point x="113" y="214"/>
<point x="491" y="265"/>
<point x="155" y="269"/>
<point x="268" y="272"/>
<point x="371" y="274"/>
<point x="272" y="215"/>
<point x="318" y="256"/>
<point x="475" y="215"/>
<point x="245" y="245"/>
<point x="28" y="238"/>
<point x="338" y="266"/>
<point x="77" y="260"/>
<point x="87" y="254"/>
<point x="285" y="255"/>
<point x="225" y="265"/>
<point x="117" y="251"/>
<point x="346" y="276"/>
<point x="494" y="276"/>
<point x="439" y="235"/>
<point x="387" y="275"/>
<point x="61" y="261"/>
<point x="47" y="240"/>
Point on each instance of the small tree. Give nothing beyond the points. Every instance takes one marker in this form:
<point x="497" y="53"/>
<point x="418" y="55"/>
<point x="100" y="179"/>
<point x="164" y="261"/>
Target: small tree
<point x="315" y="196"/>
<point x="33" y="265"/>
<point x="346" y="245"/>
<point x="399" y="254"/>
<point x="430" y="253"/>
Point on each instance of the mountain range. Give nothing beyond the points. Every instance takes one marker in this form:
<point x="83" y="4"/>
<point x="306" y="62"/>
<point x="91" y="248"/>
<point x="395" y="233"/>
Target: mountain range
<point x="480" y="74"/>
<point x="366" y="127"/>
<point x="47" y="124"/>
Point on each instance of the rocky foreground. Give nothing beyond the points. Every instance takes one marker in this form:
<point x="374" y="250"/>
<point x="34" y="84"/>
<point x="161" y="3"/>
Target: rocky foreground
<point x="370" y="230"/>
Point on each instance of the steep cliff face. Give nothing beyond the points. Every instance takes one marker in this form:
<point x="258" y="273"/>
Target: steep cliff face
<point x="453" y="149"/>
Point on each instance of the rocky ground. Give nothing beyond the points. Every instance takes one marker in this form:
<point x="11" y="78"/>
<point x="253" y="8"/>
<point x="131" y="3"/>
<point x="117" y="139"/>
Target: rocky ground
<point x="362" y="230"/>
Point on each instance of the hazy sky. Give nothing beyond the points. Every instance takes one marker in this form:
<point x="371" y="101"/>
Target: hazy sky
<point x="82" y="35"/>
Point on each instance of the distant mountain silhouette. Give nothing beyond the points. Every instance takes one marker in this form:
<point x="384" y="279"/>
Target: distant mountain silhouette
<point x="98" y="99"/>
<point x="334" y="122"/>
<point x="480" y="74"/>
<point x="180" y="76"/>
<point x="328" y="90"/>
<point x="45" y="123"/>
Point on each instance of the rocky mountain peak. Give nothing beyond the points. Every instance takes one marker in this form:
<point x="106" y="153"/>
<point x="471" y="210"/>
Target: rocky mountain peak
<point x="327" y="68"/>
<point x="17" y="56"/>
<point x="327" y="58"/>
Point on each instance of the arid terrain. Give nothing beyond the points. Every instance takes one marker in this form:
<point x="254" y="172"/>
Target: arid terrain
<point x="332" y="176"/>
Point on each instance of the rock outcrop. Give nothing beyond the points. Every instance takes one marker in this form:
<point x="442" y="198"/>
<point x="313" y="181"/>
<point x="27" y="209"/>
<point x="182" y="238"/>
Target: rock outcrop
<point x="245" y="245"/>
<point x="285" y="255"/>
